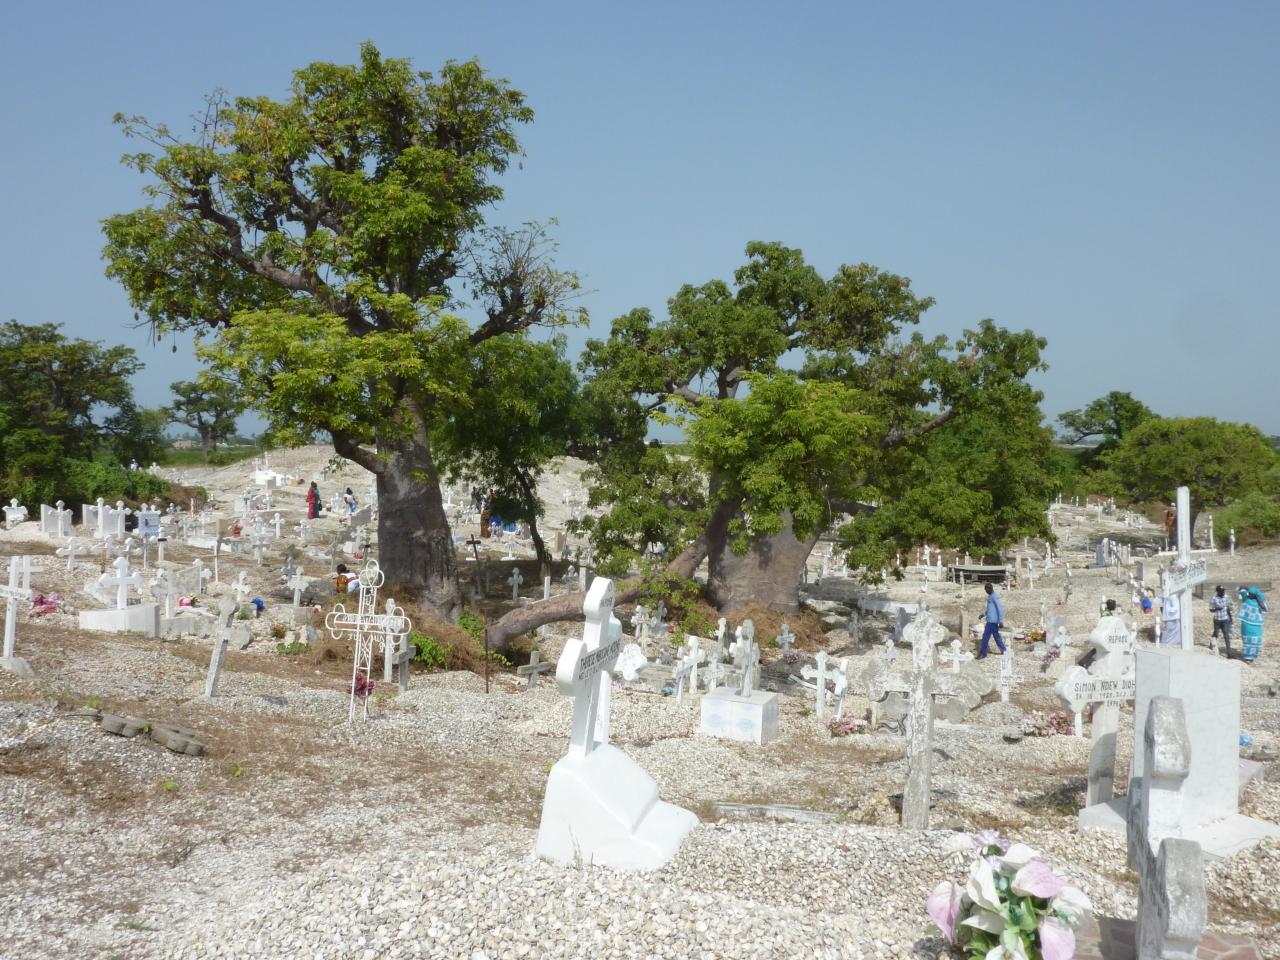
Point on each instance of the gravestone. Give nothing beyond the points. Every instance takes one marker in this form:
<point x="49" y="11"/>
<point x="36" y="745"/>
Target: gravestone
<point x="533" y="669"/>
<point x="55" y="521"/>
<point x="72" y="550"/>
<point x="515" y="580"/>
<point x="14" y="514"/>
<point x="13" y="594"/>
<point x="1179" y="580"/>
<point x="600" y="807"/>
<point x="403" y="657"/>
<point x="1109" y="682"/>
<point x="365" y="627"/>
<point x="956" y="655"/>
<point x="924" y="634"/>
<point x="227" y="609"/>
<point x="1008" y="677"/>
<point x="141" y="618"/>
<point x="1172" y="906"/>
<point x="741" y="713"/>
<point x="820" y="676"/>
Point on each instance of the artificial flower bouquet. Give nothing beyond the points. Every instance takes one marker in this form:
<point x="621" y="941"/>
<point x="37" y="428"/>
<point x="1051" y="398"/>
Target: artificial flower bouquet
<point x="1012" y="907"/>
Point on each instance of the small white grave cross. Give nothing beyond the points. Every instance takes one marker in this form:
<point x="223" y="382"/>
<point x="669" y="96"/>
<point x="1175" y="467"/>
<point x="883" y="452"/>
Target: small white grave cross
<point x="227" y="609"/>
<point x="1008" y="678"/>
<point x="297" y="583"/>
<point x="785" y="639"/>
<point x="241" y="587"/>
<point x="70" y="551"/>
<point x="821" y="676"/>
<point x="583" y="669"/>
<point x="122" y="581"/>
<point x="956" y="655"/>
<point x="12" y="594"/>
<point x="515" y="580"/>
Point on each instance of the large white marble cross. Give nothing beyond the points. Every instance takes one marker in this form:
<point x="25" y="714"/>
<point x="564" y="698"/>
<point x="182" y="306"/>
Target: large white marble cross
<point x="583" y="671"/>
<point x="924" y="633"/>
<point x="12" y="593"/>
<point x="122" y="581"/>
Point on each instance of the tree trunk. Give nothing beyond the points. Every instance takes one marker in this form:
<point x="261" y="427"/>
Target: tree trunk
<point x="569" y="606"/>
<point x="415" y="543"/>
<point x="769" y="572"/>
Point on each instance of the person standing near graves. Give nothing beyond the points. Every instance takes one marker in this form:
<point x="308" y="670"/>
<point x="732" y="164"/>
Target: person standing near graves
<point x="1220" y="607"/>
<point x="1170" y="620"/>
<point x="313" y="501"/>
<point x="1252" y="606"/>
<point x="994" y="617"/>
<point x="346" y="581"/>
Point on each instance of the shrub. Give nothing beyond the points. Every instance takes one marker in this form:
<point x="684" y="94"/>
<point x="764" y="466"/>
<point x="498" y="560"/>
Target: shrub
<point x="428" y="651"/>
<point x="1254" y="516"/>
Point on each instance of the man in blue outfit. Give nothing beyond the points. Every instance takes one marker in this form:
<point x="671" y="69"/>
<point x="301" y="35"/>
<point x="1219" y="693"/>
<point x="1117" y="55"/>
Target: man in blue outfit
<point x="995" y="620"/>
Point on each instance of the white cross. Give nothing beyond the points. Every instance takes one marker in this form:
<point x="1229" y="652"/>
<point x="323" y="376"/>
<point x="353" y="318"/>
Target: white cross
<point x="583" y="669"/>
<point x="955" y="655"/>
<point x="241" y="587"/>
<point x="14" y="514"/>
<point x="201" y="574"/>
<point x="70" y="551"/>
<point x="277" y="523"/>
<point x="298" y="583"/>
<point x="713" y="674"/>
<point x="363" y="625"/>
<point x="515" y="580"/>
<point x="122" y="581"/>
<point x="785" y="639"/>
<point x="14" y="592"/>
<point x="1008" y="678"/>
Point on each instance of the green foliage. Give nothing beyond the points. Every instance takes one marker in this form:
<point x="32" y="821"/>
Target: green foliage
<point x="322" y="241"/>
<point x="1254" y="516"/>
<point x="1108" y="418"/>
<point x="428" y="651"/>
<point x="781" y="447"/>
<point x="292" y="649"/>
<point x="170" y="786"/>
<point x="67" y="420"/>
<point x="1218" y="461"/>
<point x="209" y="405"/>
<point x="473" y="623"/>
<point x="682" y="598"/>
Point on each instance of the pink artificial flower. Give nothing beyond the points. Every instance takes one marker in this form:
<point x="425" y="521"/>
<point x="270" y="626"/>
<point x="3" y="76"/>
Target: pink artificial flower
<point x="1037" y="879"/>
<point x="943" y="906"/>
<point x="981" y="888"/>
<point x="1057" y="942"/>
<point x="1071" y="905"/>
<point x="989" y="838"/>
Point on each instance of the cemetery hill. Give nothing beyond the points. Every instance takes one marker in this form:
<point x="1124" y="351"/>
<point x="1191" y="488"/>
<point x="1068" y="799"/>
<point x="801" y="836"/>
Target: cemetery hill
<point x="762" y="619"/>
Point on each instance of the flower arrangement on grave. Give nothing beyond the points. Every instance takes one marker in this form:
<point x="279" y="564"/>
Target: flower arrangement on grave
<point x="363" y="687"/>
<point x="1035" y="636"/>
<point x="1040" y="724"/>
<point x="1050" y="656"/>
<point x="790" y="657"/>
<point x="1013" y="906"/>
<point x="278" y="631"/>
<point x="45" y="603"/>
<point x="844" y="726"/>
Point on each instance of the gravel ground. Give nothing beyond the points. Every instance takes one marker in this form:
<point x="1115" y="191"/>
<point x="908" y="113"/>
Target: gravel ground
<point x="410" y="835"/>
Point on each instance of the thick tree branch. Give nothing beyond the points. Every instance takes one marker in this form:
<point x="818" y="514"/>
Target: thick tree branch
<point x="349" y="448"/>
<point x="897" y="435"/>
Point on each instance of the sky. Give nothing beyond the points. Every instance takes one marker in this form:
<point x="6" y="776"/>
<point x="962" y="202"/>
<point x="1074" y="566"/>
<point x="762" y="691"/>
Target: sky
<point x="1103" y="174"/>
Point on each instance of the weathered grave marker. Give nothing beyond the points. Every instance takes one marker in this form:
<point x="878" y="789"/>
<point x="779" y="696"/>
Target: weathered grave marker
<point x="227" y="609"/>
<point x="533" y="669"/>
<point x="924" y="633"/>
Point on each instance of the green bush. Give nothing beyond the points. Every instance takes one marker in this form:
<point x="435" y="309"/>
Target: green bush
<point x="428" y="651"/>
<point x="1254" y="516"/>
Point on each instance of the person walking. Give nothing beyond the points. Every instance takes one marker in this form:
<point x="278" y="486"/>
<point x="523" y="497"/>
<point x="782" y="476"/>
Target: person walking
<point x="313" y="501"/>
<point x="1220" y="607"/>
<point x="995" y="620"/>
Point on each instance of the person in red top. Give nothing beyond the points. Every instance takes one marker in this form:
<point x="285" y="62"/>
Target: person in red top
<point x="313" y="501"/>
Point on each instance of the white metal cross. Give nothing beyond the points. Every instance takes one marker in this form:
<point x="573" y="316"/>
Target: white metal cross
<point x="364" y="625"/>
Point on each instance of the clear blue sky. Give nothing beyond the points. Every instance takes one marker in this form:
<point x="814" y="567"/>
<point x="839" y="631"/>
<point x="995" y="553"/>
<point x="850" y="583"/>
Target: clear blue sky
<point x="1105" y="174"/>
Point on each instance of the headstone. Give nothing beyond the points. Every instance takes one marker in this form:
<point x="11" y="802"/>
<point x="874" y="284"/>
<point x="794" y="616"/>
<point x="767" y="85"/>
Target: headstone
<point x="785" y="639"/>
<point x="121" y="581"/>
<point x="403" y="657"/>
<point x="533" y="669"/>
<point x="515" y="580"/>
<point x="600" y="807"/>
<point x="1008" y="677"/>
<point x="924" y="634"/>
<point x="365" y="628"/>
<point x="227" y="609"/>
<point x="1172" y="906"/>
<point x="13" y="593"/>
<point x="55" y="521"/>
<point x="14" y="514"/>
<point x="1181" y="577"/>
<point x="298" y="583"/>
<point x="72" y="550"/>
<point x="1109" y="682"/>
<point x="956" y="655"/>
